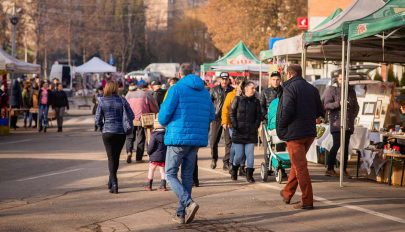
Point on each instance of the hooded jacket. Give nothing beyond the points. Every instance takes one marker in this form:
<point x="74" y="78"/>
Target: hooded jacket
<point x="157" y="148"/>
<point x="186" y="113"/>
<point x="331" y="103"/>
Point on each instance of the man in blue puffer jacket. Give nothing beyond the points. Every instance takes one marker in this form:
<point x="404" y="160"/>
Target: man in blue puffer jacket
<point x="186" y="114"/>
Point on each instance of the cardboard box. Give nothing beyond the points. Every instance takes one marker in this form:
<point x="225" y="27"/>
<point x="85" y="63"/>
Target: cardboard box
<point x="396" y="173"/>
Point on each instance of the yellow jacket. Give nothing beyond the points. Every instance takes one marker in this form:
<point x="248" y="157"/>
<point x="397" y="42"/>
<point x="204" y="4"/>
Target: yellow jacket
<point x="225" y="119"/>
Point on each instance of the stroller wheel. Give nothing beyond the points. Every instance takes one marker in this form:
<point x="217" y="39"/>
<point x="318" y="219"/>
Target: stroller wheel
<point x="279" y="176"/>
<point x="264" y="172"/>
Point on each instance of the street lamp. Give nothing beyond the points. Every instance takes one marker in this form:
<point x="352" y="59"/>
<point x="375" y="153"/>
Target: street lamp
<point x="14" y="21"/>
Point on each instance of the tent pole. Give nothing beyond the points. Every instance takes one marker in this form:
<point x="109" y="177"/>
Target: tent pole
<point x="304" y="63"/>
<point x="342" y="114"/>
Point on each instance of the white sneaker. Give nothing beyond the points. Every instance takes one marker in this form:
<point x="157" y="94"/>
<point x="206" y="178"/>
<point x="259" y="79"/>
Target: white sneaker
<point x="191" y="210"/>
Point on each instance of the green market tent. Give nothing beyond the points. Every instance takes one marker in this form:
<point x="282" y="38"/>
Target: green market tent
<point x="265" y="55"/>
<point x="293" y="46"/>
<point x="338" y="27"/>
<point x="238" y="55"/>
<point x="329" y="18"/>
<point x="389" y="18"/>
<point x="383" y="30"/>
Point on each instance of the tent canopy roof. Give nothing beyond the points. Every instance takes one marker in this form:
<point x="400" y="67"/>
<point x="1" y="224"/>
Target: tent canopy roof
<point x="255" y="68"/>
<point x="95" y="65"/>
<point x="238" y="55"/>
<point x="293" y="45"/>
<point x="339" y="25"/>
<point x="386" y="19"/>
<point x="11" y="64"/>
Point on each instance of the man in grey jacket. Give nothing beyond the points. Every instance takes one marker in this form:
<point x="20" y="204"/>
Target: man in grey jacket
<point x="331" y="103"/>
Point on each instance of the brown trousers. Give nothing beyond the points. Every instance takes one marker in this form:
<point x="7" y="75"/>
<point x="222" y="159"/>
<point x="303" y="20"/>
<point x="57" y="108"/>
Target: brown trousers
<point x="299" y="174"/>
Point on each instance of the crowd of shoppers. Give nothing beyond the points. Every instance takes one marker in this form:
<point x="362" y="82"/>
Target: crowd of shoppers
<point x="188" y="116"/>
<point x="33" y="99"/>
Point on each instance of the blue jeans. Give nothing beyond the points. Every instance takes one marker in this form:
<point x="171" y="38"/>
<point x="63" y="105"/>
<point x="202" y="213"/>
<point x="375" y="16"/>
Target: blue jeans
<point x="232" y="155"/>
<point x="43" y="114"/>
<point x="186" y="157"/>
<point x="27" y="117"/>
<point x="248" y="150"/>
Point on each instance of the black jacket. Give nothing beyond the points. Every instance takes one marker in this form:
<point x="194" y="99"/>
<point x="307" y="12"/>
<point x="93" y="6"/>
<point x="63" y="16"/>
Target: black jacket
<point x="157" y="148"/>
<point x="59" y="99"/>
<point x="245" y="117"/>
<point x="331" y="103"/>
<point x="16" y="94"/>
<point x="159" y="95"/>
<point x="266" y="97"/>
<point x="299" y="107"/>
<point x="218" y="95"/>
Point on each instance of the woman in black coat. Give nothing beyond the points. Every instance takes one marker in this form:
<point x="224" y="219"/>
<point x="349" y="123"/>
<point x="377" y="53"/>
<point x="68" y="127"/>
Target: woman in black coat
<point x="331" y="103"/>
<point x="245" y="115"/>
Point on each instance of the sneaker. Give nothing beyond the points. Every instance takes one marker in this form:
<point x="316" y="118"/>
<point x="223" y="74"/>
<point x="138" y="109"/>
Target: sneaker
<point x="191" y="210"/>
<point x="225" y="167"/>
<point x="129" y="158"/>
<point x="178" y="219"/>
<point x="213" y="164"/>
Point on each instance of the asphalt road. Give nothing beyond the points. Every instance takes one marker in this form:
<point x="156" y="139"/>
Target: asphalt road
<point x="57" y="182"/>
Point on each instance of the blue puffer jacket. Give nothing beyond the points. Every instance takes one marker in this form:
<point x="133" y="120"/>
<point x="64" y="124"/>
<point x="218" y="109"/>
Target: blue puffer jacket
<point x="186" y="113"/>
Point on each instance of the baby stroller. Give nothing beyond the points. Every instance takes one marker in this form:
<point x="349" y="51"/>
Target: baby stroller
<point x="275" y="161"/>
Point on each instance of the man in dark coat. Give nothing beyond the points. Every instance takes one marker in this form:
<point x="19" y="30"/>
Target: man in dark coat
<point x="267" y="96"/>
<point x="158" y="93"/>
<point x="60" y="104"/>
<point x="331" y="102"/>
<point x="218" y="94"/>
<point x="15" y="101"/>
<point x="298" y="112"/>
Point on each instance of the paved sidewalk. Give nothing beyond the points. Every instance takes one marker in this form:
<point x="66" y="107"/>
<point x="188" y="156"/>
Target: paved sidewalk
<point x="57" y="182"/>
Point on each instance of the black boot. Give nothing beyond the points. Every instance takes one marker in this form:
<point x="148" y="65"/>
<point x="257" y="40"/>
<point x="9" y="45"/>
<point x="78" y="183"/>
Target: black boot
<point x="249" y="175"/>
<point x="114" y="186"/>
<point x="234" y="174"/>
<point x="163" y="185"/>
<point x="109" y="184"/>
<point x="148" y="185"/>
<point x="242" y="171"/>
<point x="129" y="157"/>
<point x="40" y="129"/>
<point x="95" y="127"/>
<point x="45" y="129"/>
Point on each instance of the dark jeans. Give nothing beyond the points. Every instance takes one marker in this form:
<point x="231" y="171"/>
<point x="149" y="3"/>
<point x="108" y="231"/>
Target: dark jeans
<point x="59" y="112"/>
<point x="195" y="174"/>
<point x="113" y="144"/>
<point x="215" y="135"/>
<point x="34" y="118"/>
<point x="335" y="148"/>
<point x="138" y="136"/>
<point x="13" y="119"/>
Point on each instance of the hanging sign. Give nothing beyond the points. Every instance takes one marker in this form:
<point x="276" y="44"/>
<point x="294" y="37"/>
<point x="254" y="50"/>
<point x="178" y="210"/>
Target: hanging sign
<point x="302" y="23"/>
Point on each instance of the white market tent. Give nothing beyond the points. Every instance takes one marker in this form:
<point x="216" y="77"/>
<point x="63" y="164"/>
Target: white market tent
<point x="11" y="64"/>
<point x="95" y="65"/>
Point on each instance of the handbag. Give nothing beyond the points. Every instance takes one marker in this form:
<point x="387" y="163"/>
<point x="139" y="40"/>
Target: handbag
<point x="127" y="124"/>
